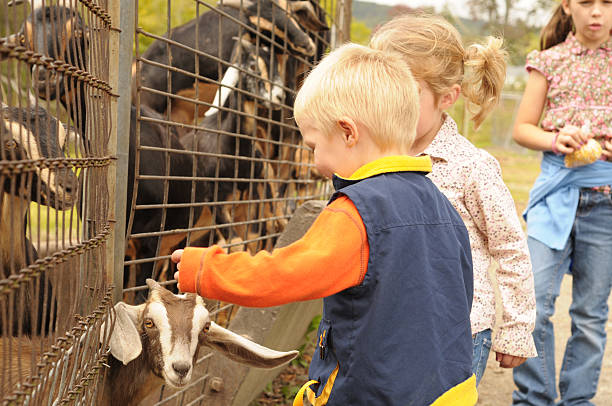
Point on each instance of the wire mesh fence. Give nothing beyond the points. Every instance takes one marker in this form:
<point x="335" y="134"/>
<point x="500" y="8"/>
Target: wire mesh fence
<point x="217" y="156"/>
<point x="214" y="157"/>
<point x="54" y="225"/>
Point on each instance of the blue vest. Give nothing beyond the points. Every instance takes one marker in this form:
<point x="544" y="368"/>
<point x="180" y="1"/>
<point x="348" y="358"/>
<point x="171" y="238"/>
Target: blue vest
<point x="401" y="337"/>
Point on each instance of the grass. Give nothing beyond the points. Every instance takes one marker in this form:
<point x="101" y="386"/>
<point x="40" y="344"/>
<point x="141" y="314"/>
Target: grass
<point x="519" y="171"/>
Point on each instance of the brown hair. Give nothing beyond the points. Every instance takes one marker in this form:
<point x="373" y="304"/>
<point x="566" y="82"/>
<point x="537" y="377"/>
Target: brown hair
<point x="433" y="49"/>
<point x="556" y="30"/>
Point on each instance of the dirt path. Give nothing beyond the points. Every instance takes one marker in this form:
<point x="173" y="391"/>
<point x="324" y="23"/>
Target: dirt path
<point x="496" y="386"/>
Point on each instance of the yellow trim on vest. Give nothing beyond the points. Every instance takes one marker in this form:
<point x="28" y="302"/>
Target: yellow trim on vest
<point x="299" y="397"/>
<point x="396" y="163"/>
<point x="464" y="394"/>
<point x="323" y="398"/>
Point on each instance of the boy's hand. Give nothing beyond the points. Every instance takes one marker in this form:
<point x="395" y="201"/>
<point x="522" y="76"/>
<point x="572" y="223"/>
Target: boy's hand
<point x="508" y="361"/>
<point x="176" y="258"/>
<point x="570" y="139"/>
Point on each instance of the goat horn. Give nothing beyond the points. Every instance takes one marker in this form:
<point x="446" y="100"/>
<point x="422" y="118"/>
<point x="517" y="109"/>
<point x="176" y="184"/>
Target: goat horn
<point x="236" y="3"/>
<point x="311" y="20"/>
<point x="153" y="284"/>
<point x="247" y="45"/>
<point x="14" y="3"/>
<point x="301" y="5"/>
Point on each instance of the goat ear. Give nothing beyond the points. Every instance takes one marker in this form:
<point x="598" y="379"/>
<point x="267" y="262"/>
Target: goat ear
<point x="239" y="349"/>
<point x="124" y="342"/>
<point x="307" y="16"/>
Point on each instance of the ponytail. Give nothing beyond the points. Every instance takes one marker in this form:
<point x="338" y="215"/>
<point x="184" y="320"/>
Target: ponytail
<point x="433" y="49"/>
<point x="485" y="73"/>
<point x="555" y="32"/>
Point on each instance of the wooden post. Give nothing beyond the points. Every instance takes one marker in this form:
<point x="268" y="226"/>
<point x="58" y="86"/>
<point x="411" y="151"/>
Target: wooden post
<point x="343" y="22"/>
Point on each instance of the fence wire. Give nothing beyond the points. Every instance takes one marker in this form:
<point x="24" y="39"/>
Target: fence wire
<point x="214" y="158"/>
<point x="217" y="156"/>
<point x="54" y="199"/>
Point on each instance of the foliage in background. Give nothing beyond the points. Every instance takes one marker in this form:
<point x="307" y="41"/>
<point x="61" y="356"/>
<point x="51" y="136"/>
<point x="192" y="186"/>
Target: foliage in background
<point x="153" y="16"/>
<point x="520" y="28"/>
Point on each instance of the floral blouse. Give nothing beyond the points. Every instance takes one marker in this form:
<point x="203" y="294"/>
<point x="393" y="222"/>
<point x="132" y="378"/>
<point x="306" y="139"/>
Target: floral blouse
<point x="579" y="85"/>
<point x="471" y="180"/>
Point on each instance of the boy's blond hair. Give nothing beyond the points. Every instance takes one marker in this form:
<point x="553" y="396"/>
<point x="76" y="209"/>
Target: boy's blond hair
<point x="374" y="88"/>
<point x="433" y="49"/>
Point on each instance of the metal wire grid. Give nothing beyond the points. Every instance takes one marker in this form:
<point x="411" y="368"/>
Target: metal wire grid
<point x="53" y="291"/>
<point x="297" y="183"/>
<point x="287" y="164"/>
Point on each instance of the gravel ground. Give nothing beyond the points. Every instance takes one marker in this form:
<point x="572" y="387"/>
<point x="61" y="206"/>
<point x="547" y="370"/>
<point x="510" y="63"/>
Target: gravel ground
<point x="496" y="386"/>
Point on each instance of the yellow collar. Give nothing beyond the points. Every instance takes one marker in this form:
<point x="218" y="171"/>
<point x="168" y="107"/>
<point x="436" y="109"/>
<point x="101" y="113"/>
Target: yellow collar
<point x="396" y="163"/>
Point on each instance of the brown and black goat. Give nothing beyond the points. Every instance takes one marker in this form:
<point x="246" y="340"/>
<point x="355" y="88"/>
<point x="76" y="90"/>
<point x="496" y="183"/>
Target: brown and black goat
<point x="29" y="137"/>
<point x="231" y="158"/>
<point x="216" y="31"/>
<point x="158" y="341"/>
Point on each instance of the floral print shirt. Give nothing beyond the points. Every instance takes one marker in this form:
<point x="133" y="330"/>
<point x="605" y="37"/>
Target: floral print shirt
<point x="471" y="180"/>
<point x="579" y="85"/>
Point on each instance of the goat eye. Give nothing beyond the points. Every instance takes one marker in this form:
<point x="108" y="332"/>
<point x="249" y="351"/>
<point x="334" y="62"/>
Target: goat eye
<point x="149" y="323"/>
<point x="10" y="144"/>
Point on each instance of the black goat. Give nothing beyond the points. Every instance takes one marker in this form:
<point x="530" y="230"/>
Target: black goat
<point x="29" y="135"/>
<point x="210" y="25"/>
<point x="229" y="151"/>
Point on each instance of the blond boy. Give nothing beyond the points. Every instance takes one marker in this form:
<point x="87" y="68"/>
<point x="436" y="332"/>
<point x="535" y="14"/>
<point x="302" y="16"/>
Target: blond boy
<point x="389" y="254"/>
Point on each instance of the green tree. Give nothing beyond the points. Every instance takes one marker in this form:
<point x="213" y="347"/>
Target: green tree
<point x="360" y="33"/>
<point x="153" y="16"/>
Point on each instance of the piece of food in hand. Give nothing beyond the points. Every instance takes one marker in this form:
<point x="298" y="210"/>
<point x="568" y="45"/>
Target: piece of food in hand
<point x="587" y="154"/>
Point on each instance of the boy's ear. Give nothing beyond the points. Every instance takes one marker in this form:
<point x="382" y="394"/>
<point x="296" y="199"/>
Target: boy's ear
<point x="350" y="133"/>
<point x="448" y="98"/>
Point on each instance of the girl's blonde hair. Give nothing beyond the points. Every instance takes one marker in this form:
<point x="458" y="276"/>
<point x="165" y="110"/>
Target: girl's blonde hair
<point x="372" y="87"/>
<point x="434" y="50"/>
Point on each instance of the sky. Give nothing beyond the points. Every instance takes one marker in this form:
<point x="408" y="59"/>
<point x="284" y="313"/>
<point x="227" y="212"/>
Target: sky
<point x="457" y="7"/>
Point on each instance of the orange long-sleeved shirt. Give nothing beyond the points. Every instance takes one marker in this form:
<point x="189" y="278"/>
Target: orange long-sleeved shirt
<point x="332" y="256"/>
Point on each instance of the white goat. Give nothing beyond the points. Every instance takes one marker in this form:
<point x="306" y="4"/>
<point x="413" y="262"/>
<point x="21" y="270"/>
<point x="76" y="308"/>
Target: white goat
<point x="158" y="342"/>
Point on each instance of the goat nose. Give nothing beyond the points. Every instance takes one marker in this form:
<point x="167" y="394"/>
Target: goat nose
<point x="181" y="368"/>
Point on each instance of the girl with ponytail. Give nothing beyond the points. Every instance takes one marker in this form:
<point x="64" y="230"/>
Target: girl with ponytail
<point x="566" y="113"/>
<point x="470" y="177"/>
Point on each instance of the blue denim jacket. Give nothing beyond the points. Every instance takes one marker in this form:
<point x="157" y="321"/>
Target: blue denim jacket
<point x="553" y="200"/>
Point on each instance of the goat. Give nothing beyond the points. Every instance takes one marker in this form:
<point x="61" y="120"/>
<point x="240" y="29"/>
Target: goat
<point x="69" y="33"/>
<point x="29" y="135"/>
<point x="228" y="150"/>
<point x="210" y="25"/>
<point x="151" y="344"/>
<point x="158" y="342"/>
<point x="57" y="32"/>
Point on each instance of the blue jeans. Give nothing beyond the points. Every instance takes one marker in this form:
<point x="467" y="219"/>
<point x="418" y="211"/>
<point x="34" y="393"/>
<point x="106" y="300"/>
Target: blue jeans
<point x="482" y="347"/>
<point x="588" y="256"/>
